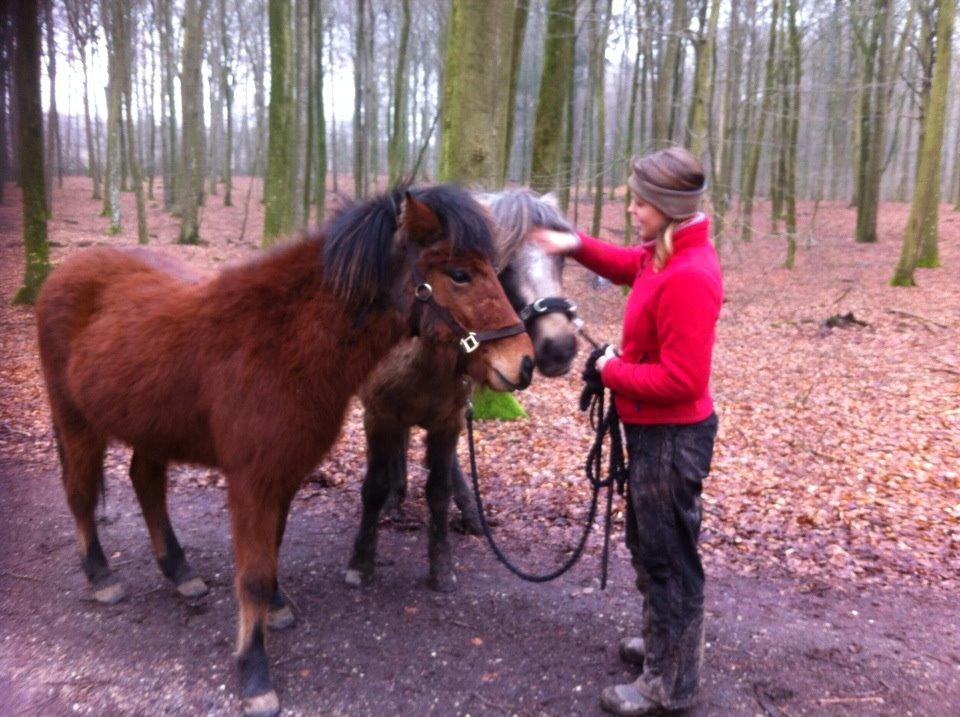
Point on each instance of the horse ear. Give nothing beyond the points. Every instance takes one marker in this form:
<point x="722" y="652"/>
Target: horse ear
<point x="419" y="221"/>
<point x="550" y="198"/>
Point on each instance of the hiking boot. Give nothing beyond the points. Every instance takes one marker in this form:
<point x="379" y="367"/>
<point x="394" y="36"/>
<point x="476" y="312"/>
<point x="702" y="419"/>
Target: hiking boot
<point x="632" y="650"/>
<point x="628" y="701"/>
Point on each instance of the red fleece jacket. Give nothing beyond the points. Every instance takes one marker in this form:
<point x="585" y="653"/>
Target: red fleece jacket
<point x="669" y="325"/>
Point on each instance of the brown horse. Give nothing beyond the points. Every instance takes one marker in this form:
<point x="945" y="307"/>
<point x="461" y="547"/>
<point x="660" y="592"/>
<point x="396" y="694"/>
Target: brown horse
<point x="415" y="386"/>
<point x="251" y="371"/>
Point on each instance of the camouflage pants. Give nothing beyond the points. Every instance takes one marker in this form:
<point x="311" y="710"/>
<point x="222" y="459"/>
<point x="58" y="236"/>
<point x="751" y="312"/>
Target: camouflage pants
<point x="667" y="466"/>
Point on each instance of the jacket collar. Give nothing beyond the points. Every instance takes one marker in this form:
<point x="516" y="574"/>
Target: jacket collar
<point x="692" y="232"/>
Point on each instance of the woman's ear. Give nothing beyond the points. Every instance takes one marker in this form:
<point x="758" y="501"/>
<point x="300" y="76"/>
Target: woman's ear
<point x="419" y="222"/>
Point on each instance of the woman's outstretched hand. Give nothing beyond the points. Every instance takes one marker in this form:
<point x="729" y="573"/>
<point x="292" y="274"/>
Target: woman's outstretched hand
<point x="555" y="242"/>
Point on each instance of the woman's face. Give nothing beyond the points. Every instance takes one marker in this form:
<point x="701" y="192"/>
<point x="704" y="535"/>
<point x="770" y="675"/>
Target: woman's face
<point x="647" y="219"/>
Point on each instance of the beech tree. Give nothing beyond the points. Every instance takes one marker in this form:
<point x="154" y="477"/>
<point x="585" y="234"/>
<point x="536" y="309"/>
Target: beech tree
<point x="30" y="139"/>
<point x="920" y="239"/>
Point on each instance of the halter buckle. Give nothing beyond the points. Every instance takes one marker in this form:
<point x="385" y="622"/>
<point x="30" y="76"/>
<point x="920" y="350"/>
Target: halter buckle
<point x="469" y="343"/>
<point x="423" y="292"/>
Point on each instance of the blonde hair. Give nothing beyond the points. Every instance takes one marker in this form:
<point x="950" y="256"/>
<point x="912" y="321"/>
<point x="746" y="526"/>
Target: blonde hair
<point x="663" y="249"/>
<point x="675" y="170"/>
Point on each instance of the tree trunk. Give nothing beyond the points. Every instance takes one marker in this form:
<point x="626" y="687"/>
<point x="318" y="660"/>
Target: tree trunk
<point x="872" y="115"/>
<point x="371" y="108"/>
<point x="778" y="142"/>
<point x="226" y="90"/>
<point x="753" y="162"/>
<point x="587" y="125"/>
<point x="566" y="155"/>
<point x="920" y="239"/>
<point x="701" y="77"/>
<point x="123" y="59"/>
<point x="599" y="52"/>
<point x="30" y="140"/>
<point x="792" y="102"/>
<point x="278" y="220"/>
<point x="548" y="137"/>
<point x="359" y="128"/>
<point x="631" y="117"/>
<point x="397" y="146"/>
<point x="663" y="92"/>
<point x="54" y="149"/>
<point x="215" y="135"/>
<point x="320" y="190"/>
<point x="191" y="100"/>
<point x="475" y="91"/>
<point x="148" y="106"/>
<point x="4" y="68"/>
<point x="171" y="180"/>
<point x="520" y="13"/>
<point x="723" y="155"/>
<point x="111" y="179"/>
<point x="747" y="125"/>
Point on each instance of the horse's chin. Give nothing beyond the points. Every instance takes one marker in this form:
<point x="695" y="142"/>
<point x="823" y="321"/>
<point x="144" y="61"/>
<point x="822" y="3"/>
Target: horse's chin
<point x="498" y="382"/>
<point x="554" y="369"/>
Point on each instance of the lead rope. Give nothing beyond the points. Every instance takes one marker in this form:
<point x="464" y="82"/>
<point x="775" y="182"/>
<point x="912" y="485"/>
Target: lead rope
<point x="603" y="423"/>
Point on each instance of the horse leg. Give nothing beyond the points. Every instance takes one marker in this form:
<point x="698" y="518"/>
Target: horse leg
<point x="81" y="452"/>
<point x="280" y="614"/>
<point x="464" y="499"/>
<point x="441" y="450"/>
<point x="149" y="477"/>
<point x="256" y="509"/>
<point x="397" y="487"/>
<point x="386" y="460"/>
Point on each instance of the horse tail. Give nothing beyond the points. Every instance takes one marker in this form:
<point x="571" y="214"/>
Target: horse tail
<point x="68" y="301"/>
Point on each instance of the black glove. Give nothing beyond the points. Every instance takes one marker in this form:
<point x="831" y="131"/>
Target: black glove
<point x="592" y="383"/>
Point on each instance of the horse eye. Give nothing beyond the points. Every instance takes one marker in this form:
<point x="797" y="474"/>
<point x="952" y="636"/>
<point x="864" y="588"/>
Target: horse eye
<point x="459" y="276"/>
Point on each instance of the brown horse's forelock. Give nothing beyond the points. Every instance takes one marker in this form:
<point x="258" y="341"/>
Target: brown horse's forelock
<point x="358" y="256"/>
<point x="516" y="212"/>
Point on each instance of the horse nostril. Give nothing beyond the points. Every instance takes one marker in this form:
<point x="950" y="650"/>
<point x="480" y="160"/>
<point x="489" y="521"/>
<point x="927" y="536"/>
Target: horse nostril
<point x="526" y="371"/>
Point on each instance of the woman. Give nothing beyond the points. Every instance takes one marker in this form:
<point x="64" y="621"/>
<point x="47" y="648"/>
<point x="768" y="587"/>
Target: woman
<point x="660" y="378"/>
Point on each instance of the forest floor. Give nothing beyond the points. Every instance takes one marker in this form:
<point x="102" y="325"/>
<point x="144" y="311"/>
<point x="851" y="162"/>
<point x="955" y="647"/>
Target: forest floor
<point x="831" y="531"/>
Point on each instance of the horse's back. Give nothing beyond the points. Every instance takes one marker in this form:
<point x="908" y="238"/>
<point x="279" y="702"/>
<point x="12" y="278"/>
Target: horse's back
<point x="75" y="291"/>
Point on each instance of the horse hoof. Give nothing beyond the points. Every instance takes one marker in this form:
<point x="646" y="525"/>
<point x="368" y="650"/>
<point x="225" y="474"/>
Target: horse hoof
<point x="110" y="594"/>
<point x="281" y="618"/>
<point x="265" y="705"/>
<point x="444" y="583"/>
<point x="354" y="578"/>
<point x="469" y="524"/>
<point x="193" y="588"/>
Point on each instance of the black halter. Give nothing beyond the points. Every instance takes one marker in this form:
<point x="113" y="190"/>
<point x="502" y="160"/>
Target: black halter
<point x="469" y="340"/>
<point x="548" y="305"/>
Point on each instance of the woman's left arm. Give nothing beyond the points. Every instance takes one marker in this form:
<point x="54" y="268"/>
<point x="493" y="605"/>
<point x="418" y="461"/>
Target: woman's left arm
<point x="686" y="324"/>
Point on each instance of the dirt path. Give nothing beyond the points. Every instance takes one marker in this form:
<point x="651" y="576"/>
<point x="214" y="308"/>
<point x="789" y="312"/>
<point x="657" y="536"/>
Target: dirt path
<point x="499" y="646"/>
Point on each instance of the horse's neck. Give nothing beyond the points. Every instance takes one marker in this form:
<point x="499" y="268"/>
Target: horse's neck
<point x="428" y="359"/>
<point x="283" y="304"/>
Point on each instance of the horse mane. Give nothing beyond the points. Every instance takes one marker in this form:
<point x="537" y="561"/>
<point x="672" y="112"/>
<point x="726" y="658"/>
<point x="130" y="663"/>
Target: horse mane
<point x="516" y="212"/>
<point x="358" y="256"/>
